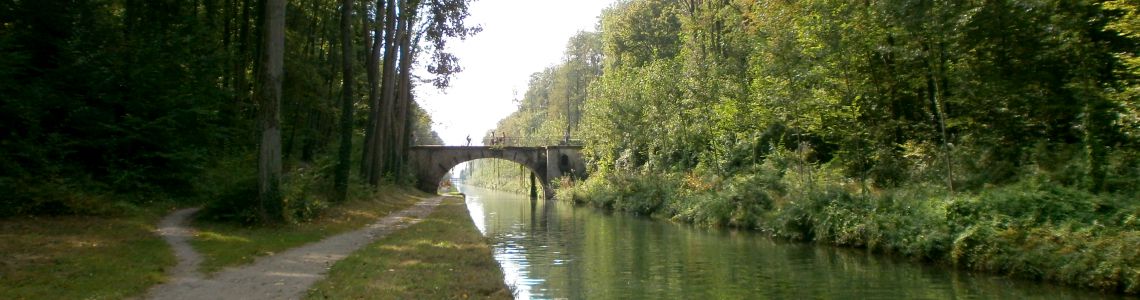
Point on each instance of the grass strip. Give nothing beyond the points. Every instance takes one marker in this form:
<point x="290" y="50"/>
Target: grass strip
<point x="228" y="244"/>
<point x="444" y="256"/>
<point x="82" y="257"/>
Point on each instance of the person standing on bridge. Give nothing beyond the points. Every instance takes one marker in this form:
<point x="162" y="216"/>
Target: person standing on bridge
<point x="468" y="140"/>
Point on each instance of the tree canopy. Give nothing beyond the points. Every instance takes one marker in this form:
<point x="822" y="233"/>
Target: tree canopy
<point x="965" y="93"/>
<point x="129" y="97"/>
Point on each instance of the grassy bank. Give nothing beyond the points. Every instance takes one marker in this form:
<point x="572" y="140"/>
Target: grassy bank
<point x="1033" y="228"/>
<point x="224" y="244"/>
<point x="444" y="256"/>
<point x="82" y="257"/>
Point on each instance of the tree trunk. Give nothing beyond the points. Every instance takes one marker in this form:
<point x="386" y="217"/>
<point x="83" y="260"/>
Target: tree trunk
<point x="404" y="98"/>
<point x="345" y="153"/>
<point x="383" y="134"/>
<point x="269" y="98"/>
<point x="369" y="165"/>
<point x="1098" y="125"/>
<point x="227" y="30"/>
<point x="241" y="60"/>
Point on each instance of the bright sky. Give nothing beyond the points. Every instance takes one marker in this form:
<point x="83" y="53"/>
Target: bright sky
<point x="519" y="37"/>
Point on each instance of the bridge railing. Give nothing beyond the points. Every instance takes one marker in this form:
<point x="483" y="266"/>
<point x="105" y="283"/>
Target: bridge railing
<point x="530" y="141"/>
<point x="509" y="141"/>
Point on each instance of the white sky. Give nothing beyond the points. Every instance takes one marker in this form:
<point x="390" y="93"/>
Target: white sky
<point x="519" y="37"/>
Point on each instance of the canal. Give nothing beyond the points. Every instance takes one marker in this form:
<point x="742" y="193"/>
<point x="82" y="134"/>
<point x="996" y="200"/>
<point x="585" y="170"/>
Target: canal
<point x="552" y="250"/>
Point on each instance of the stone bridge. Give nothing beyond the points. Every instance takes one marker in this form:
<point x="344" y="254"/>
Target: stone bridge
<point x="431" y="163"/>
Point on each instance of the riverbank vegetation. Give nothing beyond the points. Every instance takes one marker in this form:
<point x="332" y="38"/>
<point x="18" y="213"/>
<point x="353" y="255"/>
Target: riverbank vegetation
<point x="999" y="136"/>
<point x="1033" y="229"/>
<point x="443" y="256"/>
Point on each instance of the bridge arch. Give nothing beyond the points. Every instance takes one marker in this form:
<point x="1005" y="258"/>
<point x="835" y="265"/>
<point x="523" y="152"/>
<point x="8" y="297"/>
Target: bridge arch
<point x="431" y="163"/>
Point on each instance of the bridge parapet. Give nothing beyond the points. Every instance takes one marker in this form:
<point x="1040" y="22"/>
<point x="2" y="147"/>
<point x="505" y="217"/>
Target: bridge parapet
<point x="530" y="141"/>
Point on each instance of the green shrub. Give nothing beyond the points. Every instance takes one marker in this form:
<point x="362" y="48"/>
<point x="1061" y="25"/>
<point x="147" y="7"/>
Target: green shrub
<point x="747" y="198"/>
<point x="229" y="190"/>
<point x="912" y="222"/>
<point x="1124" y="173"/>
<point x="1049" y="232"/>
<point x="63" y="196"/>
<point x="235" y="202"/>
<point x="1034" y="203"/>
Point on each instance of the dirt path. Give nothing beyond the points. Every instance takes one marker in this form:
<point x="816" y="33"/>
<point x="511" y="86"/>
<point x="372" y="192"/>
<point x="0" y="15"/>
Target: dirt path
<point x="286" y="275"/>
<point x="178" y="236"/>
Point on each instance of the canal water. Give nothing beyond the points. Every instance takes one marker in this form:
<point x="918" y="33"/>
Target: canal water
<point x="555" y="250"/>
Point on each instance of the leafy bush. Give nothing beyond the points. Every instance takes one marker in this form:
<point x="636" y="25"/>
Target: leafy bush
<point x="307" y="190"/>
<point x="229" y="190"/>
<point x="1033" y="203"/>
<point x="64" y="196"/>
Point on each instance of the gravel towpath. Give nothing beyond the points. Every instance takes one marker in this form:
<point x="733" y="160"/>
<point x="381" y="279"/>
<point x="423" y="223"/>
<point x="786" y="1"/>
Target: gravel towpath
<point x="285" y="275"/>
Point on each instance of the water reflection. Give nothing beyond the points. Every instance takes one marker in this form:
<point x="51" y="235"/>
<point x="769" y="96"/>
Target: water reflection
<point x="555" y="250"/>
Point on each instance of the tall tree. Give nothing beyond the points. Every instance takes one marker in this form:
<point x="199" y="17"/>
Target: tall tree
<point x="402" y="124"/>
<point x="389" y="131"/>
<point x="381" y="118"/>
<point x="368" y="167"/>
<point x="345" y="152"/>
<point x="269" y="115"/>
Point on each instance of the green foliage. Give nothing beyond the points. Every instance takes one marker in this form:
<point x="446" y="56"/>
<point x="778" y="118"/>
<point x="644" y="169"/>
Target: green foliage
<point x="93" y="101"/>
<point x="898" y="90"/>
<point x="1048" y="232"/>
<point x="57" y="196"/>
<point x="112" y="103"/>
<point x="638" y="32"/>
<point x="229" y="190"/>
<point x="86" y="113"/>
<point x="1127" y="26"/>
